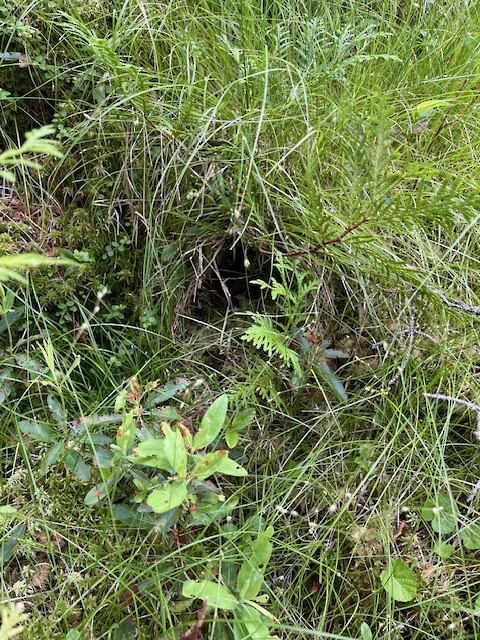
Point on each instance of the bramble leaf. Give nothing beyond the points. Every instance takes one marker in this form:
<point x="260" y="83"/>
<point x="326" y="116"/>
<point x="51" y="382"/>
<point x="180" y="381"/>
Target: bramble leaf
<point x="399" y="581"/>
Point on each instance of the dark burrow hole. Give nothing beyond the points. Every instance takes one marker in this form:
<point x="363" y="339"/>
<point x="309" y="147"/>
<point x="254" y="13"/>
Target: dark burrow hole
<point x="229" y="282"/>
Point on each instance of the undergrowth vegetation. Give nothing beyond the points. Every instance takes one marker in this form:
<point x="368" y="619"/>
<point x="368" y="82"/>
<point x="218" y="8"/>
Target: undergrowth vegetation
<point x="241" y="403"/>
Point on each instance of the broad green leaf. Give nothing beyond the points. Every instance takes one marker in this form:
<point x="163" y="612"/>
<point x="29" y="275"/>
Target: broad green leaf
<point x="208" y="464"/>
<point x="12" y="316"/>
<point x="56" y="410"/>
<point x="96" y="493"/>
<point x="9" y="543"/>
<point x="250" y="576"/>
<point x="126" y="432"/>
<point x="7" y="510"/>
<point x="232" y="438"/>
<point x="37" y="431"/>
<point x="231" y="468"/>
<point x="130" y="516"/>
<point x="76" y="464"/>
<point x="166" y="413"/>
<point x="238" y="424"/>
<point x="151" y="453"/>
<point x="444" y="550"/>
<point x="175" y="450"/>
<point x="167" y="392"/>
<point x="209" y="513"/>
<point x="471" y="536"/>
<point x="442" y="513"/>
<point x="399" y="581"/>
<point x="424" y="108"/>
<point x="73" y="634"/>
<point x="167" y="497"/>
<point x="212" y="423"/>
<point x="255" y="624"/>
<point x="52" y="456"/>
<point x="331" y="378"/>
<point x="365" y="632"/>
<point x="215" y="594"/>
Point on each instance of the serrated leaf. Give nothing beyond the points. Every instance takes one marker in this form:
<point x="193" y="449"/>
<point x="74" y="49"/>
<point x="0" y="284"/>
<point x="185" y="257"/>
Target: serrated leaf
<point x="175" y="450"/>
<point x="167" y="497"/>
<point x="56" y="410"/>
<point x="242" y="420"/>
<point x="76" y="464"/>
<point x="471" y="536"/>
<point x="214" y="593"/>
<point x="444" y="550"/>
<point x="212" y="423"/>
<point x="442" y="513"/>
<point x="38" y="431"/>
<point x="399" y="581"/>
<point x="250" y="576"/>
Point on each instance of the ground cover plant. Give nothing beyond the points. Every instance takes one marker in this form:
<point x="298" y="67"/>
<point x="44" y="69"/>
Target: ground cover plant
<point x="239" y="377"/>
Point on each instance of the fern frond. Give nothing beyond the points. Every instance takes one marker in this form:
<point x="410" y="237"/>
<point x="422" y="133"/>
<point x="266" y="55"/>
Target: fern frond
<point x="263" y="335"/>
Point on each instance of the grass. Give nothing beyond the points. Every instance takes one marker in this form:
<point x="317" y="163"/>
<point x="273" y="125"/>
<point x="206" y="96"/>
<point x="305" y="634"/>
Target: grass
<point x="207" y="146"/>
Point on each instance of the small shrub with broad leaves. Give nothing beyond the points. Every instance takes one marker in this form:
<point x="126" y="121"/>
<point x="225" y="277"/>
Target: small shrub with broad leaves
<point x="242" y="596"/>
<point x="170" y="467"/>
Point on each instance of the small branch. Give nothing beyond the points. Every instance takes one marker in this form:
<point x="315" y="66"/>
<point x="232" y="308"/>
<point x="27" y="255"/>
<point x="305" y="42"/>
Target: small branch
<point x="324" y="243"/>
<point x="457" y="304"/>
<point x="463" y="403"/>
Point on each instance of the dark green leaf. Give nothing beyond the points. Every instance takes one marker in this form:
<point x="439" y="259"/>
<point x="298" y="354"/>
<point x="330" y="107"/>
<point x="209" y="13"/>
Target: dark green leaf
<point x="37" y="431"/>
<point x="52" y="456"/>
<point x="9" y="543"/>
<point x="130" y="516"/>
<point x="96" y="494"/>
<point x="76" y="464"/>
<point x="56" y="410"/>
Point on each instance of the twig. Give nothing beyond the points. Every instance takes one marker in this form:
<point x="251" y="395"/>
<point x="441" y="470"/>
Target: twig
<point x="463" y="403"/>
<point x="457" y="304"/>
<point x="324" y="243"/>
